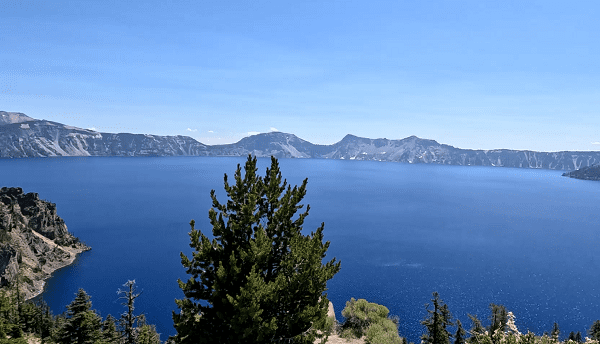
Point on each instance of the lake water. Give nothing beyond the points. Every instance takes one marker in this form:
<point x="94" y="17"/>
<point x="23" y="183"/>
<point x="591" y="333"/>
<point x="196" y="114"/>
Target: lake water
<point x="527" y="239"/>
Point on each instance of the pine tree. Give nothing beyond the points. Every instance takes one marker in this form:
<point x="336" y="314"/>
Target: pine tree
<point x="7" y="309"/>
<point x="110" y="334"/>
<point x="436" y="323"/>
<point x="30" y="317"/>
<point x="260" y="279"/>
<point x="82" y="325"/>
<point x="594" y="331"/>
<point x="459" y="336"/>
<point x="498" y="321"/>
<point x="45" y="322"/>
<point x="145" y="333"/>
<point x="477" y="329"/>
<point x="555" y="332"/>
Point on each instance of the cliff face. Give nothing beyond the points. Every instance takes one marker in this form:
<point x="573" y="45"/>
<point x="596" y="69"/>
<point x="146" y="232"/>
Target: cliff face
<point x="22" y="136"/>
<point x="34" y="241"/>
<point x="39" y="138"/>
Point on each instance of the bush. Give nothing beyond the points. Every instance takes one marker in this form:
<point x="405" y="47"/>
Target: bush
<point x="369" y="319"/>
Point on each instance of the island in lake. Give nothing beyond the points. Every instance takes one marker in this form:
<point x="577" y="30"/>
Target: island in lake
<point x="585" y="173"/>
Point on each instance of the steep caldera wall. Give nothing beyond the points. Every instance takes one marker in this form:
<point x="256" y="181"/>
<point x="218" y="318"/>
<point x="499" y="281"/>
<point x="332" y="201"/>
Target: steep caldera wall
<point x="24" y="137"/>
<point x="34" y="241"/>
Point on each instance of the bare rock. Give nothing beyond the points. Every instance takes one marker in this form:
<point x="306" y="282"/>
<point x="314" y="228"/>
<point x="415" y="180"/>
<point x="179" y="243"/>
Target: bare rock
<point x="34" y="241"/>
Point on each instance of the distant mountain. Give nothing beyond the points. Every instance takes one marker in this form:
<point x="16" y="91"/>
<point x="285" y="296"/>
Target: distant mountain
<point x="586" y="173"/>
<point x="277" y="144"/>
<point x="23" y="136"/>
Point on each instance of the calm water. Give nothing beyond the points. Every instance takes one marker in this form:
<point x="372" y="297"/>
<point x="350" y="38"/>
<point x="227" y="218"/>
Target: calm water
<point x="527" y="239"/>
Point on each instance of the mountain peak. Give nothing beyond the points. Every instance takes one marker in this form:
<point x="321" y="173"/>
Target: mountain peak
<point x="13" y="117"/>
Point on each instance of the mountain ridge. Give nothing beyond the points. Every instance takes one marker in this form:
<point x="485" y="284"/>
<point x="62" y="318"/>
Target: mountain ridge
<point x="22" y="136"/>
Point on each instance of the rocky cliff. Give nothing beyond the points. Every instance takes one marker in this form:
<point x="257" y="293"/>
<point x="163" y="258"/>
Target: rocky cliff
<point x="34" y="241"/>
<point x="22" y="136"/>
<point x="411" y="150"/>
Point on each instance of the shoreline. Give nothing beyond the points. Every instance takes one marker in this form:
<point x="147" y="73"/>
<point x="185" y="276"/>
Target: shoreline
<point x="49" y="269"/>
<point x="39" y="285"/>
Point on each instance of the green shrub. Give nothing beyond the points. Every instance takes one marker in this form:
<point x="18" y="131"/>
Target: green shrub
<point x="369" y="319"/>
<point x="13" y="341"/>
<point x="383" y="333"/>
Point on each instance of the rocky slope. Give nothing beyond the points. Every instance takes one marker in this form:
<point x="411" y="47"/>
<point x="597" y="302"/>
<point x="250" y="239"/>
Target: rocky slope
<point x="409" y="150"/>
<point x="34" y="241"/>
<point x="585" y="173"/>
<point x="22" y="136"/>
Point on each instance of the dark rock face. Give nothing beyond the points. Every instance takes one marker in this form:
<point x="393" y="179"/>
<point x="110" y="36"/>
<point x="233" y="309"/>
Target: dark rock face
<point x="22" y="136"/>
<point x="585" y="173"/>
<point x="8" y="264"/>
<point x="34" y="240"/>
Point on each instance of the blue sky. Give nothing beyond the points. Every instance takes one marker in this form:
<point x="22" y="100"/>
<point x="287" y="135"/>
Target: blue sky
<point x="472" y="74"/>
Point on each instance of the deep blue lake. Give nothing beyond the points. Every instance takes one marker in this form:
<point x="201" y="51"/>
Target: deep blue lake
<point x="527" y="239"/>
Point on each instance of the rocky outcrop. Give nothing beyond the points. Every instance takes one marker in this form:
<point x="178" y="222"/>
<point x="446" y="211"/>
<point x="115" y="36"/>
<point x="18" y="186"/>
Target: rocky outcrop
<point x="34" y="241"/>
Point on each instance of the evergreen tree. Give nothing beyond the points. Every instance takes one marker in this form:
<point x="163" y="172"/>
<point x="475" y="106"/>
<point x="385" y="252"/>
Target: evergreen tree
<point x="82" y="325"/>
<point x="58" y="330"/>
<point x="30" y="317"/>
<point x="555" y="332"/>
<point x="109" y="330"/>
<point x="578" y="337"/>
<point x="478" y="332"/>
<point x="498" y="319"/>
<point x="459" y="336"/>
<point x="7" y="310"/>
<point x="45" y="322"/>
<point x="145" y="333"/>
<point x="437" y="322"/>
<point x="260" y="279"/>
<point x="594" y="331"/>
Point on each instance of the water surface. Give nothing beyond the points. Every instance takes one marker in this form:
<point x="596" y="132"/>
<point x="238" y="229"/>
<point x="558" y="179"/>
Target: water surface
<point x="527" y="239"/>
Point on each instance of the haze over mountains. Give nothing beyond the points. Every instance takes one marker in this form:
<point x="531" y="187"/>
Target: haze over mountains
<point x="22" y="136"/>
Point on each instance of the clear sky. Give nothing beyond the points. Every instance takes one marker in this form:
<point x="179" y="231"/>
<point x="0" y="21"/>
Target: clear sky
<point x="472" y="74"/>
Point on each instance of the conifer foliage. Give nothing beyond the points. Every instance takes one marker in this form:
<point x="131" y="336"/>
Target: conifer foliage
<point x="437" y="322"/>
<point x="260" y="280"/>
<point x="82" y="324"/>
